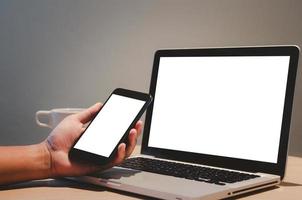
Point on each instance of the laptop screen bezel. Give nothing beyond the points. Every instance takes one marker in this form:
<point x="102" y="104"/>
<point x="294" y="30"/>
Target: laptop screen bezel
<point x="219" y="161"/>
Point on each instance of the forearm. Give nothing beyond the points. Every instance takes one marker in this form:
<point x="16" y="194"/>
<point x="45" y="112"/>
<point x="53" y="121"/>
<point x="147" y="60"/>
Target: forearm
<point x="22" y="163"/>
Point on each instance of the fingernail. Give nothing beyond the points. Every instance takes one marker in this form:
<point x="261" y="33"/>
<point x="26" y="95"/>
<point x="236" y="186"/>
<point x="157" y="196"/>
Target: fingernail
<point x="123" y="146"/>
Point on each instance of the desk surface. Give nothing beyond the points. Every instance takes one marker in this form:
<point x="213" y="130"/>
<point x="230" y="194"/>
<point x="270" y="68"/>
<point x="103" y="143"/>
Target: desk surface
<point x="49" y="189"/>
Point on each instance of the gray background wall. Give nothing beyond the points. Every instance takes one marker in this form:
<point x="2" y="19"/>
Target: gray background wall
<point x="72" y="53"/>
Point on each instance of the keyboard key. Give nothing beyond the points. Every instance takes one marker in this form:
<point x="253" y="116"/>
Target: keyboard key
<point x="187" y="171"/>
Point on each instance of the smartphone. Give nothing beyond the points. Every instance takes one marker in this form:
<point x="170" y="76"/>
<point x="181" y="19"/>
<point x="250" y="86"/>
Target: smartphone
<point x="111" y="126"/>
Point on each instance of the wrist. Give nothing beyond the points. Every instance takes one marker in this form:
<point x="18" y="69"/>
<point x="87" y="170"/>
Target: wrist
<point x="46" y="166"/>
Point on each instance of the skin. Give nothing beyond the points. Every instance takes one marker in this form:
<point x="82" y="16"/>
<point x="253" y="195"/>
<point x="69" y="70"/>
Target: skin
<point x="49" y="159"/>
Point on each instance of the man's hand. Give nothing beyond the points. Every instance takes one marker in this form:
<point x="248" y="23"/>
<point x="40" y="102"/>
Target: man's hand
<point x="61" y="139"/>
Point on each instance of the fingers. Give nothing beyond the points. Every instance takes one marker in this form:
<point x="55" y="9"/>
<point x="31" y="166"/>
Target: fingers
<point x="139" y="127"/>
<point x="121" y="154"/>
<point x="87" y="115"/>
<point x="132" y="142"/>
<point x="133" y="135"/>
<point x="123" y="151"/>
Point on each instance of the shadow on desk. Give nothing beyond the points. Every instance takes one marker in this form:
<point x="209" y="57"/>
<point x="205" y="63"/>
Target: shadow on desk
<point x="289" y="184"/>
<point x="53" y="183"/>
<point x="58" y="183"/>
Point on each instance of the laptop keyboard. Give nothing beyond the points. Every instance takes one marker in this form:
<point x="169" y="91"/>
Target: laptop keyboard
<point x="197" y="173"/>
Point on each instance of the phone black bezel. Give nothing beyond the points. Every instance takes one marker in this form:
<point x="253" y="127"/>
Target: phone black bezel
<point x="231" y="163"/>
<point x="82" y="155"/>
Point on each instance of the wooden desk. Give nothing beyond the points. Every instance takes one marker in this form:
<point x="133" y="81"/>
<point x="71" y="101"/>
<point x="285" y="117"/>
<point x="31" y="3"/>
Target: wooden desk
<point x="50" y="189"/>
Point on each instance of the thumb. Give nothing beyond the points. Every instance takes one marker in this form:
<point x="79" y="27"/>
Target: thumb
<point x="87" y="114"/>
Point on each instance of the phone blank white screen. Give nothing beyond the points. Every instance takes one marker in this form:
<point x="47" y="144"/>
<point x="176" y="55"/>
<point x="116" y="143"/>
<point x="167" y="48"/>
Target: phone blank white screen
<point x="225" y="106"/>
<point x="108" y="127"/>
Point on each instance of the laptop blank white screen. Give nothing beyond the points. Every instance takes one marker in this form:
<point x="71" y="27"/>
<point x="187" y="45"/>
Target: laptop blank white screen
<point x="228" y="106"/>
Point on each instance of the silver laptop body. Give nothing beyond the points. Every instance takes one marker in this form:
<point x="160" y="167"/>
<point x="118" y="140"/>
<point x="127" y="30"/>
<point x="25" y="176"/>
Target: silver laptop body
<point x="224" y="108"/>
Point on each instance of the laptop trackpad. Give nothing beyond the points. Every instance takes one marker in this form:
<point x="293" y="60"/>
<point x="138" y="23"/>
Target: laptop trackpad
<point x="116" y="173"/>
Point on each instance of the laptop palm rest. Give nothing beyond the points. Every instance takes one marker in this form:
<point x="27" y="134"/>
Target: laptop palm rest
<point x="135" y="179"/>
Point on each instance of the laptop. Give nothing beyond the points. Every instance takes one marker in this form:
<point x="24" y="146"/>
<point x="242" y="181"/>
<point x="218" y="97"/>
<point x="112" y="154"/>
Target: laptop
<point x="218" y="127"/>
